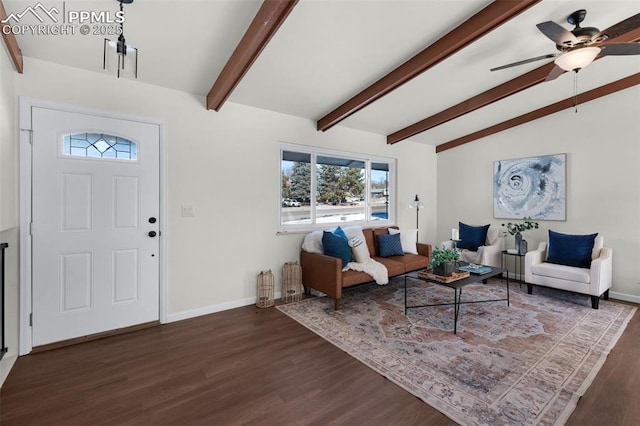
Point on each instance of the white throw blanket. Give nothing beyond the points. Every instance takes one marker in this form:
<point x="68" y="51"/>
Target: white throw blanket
<point x="376" y="269"/>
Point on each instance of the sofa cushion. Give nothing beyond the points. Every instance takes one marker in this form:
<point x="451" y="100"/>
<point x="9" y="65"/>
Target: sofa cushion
<point x="393" y="266"/>
<point x="492" y="236"/>
<point x="408" y="238"/>
<point x="376" y="232"/>
<point x="336" y="246"/>
<point x="562" y="272"/>
<point x="370" y="240"/>
<point x="570" y="250"/>
<point x="411" y="262"/>
<point x="472" y="237"/>
<point x="389" y="245"/>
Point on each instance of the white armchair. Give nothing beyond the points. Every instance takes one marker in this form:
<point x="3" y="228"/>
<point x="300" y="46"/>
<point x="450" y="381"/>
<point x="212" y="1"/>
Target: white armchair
<point x="490" y="254"/>
<point x="595" y="281"/>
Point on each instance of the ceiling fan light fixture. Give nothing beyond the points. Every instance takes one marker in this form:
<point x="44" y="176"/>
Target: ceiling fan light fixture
<point x="576" y="59"/>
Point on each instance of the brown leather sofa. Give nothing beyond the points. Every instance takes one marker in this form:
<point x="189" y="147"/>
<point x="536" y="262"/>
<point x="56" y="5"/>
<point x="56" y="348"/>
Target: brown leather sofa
<point x="324" y="273"/>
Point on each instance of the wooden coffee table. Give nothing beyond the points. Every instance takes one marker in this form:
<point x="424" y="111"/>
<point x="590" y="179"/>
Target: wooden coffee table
<point x="457" y="291"/>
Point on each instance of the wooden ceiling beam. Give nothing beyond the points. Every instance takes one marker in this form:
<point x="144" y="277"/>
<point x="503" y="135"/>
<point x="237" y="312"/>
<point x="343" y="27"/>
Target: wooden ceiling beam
<point x="590" y="95"/>
<point x="271" y="15"/>
<point x="12" y="44"/>
<point x="497" y="93"/>
<point x="509" y="88"/>
<point x="488" y="19"/>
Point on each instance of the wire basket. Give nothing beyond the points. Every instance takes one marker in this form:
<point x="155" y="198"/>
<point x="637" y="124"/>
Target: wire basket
<point x="291" y="282"/>
<point x="265" y="289"/>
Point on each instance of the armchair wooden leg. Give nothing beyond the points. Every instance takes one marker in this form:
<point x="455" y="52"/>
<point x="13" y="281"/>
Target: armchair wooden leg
<point x="595" y="302"/>
<point x="606" y="295"/>
<point x="529" y="288"/>
<point x="336" y="304"/>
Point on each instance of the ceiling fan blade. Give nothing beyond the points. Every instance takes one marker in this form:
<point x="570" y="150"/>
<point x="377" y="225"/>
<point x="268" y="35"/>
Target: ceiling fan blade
<point x="557" y="33"/>
<point x="555" y="73"/>
<point x="620" y="49"/>
<point x="526" y="61"/>
<point x="620" y="28"/>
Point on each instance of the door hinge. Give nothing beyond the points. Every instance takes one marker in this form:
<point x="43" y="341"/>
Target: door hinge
<point x="31" y="319"/>
<point x="30" y="135"/>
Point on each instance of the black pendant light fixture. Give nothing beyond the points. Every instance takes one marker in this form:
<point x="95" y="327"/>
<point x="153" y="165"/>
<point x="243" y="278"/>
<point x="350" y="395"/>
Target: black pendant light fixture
<point x="120" y="58"/>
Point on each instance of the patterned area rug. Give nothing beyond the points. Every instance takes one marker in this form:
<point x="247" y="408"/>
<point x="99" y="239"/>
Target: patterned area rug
<point x="524" y="364"/>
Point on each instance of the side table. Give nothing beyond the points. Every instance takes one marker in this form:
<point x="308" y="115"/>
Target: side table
<point x="518" y="264"/>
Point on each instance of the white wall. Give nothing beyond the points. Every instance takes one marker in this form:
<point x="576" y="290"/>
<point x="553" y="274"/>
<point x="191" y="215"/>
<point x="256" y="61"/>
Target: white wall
<point x="226" y="165"/>
<point x="9" y="205"/>
<point x="8" y="147"/>
<point x="602" y="143"/>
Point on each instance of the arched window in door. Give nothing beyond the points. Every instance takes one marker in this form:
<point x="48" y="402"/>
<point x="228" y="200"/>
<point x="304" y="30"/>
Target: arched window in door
<point x="99" y="145"/>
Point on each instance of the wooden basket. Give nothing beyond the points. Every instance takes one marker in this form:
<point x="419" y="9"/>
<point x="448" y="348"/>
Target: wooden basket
<point x="291" y="282"/>
<point x="265" y="289"/>
<point x="455" y="276"/>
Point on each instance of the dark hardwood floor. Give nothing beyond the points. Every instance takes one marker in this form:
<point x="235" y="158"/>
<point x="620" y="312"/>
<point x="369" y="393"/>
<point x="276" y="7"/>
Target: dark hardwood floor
<point x="250" y="366"/>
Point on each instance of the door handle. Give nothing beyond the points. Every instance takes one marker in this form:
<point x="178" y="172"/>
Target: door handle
<point x="152" y="234"/>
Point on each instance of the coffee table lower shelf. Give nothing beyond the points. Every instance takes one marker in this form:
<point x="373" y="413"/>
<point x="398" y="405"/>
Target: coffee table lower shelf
<point x="457" y="291"/>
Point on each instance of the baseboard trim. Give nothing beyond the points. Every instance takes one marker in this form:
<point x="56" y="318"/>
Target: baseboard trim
<point x="623" y="296"/>
<point x="612" y="294"/>
<point x="206" y="310"/>
<point x="5" y="367"/>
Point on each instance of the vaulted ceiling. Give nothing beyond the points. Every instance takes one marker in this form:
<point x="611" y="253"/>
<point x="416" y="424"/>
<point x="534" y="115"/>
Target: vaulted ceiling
<point x="383" y="66"/>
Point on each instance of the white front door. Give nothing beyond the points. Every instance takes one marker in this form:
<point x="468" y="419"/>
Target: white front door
<point x="95" y="225"/>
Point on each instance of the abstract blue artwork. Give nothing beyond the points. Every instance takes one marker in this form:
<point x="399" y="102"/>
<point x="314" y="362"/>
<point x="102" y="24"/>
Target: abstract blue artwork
<point x="530" y="187"/>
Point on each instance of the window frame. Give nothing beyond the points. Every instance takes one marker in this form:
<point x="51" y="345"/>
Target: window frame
<point x="62" y="155"/>
<point x="316" y="152"/>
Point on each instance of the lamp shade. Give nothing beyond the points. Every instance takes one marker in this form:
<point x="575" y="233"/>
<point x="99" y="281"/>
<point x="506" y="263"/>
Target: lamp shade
<point x="577" y="59"/>
<point x="416" y="203"/>
<point x="120" y="58"/>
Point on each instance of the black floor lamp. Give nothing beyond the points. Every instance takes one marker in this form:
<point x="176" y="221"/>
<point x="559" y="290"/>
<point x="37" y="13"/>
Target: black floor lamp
<point x="416" y="204"/>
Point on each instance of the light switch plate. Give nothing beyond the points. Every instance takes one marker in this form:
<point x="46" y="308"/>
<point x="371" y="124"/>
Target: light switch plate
<point x="188" y="211"/>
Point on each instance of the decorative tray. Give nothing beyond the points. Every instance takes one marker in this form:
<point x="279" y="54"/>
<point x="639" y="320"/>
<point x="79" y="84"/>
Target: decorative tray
<point x="455" y="276"/>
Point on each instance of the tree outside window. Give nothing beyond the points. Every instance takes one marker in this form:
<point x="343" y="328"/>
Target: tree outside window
<point x="345" y="189"/>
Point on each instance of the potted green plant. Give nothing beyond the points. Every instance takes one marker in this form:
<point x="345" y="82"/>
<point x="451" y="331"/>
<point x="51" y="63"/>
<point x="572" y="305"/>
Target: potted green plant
<point x="443" y="261"/>
<point x="516" y="229"/>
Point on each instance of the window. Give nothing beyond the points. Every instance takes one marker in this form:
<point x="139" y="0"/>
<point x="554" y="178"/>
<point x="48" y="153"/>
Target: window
<point x="98" y="145"/>
<point x="320" y="188"/>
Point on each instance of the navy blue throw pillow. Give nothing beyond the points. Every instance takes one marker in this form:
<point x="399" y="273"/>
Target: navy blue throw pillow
<point x="335" y="246"/>
<point x="472" y="237"/>
<point x="570" y="250"/>
<point x="389" y="245"/>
